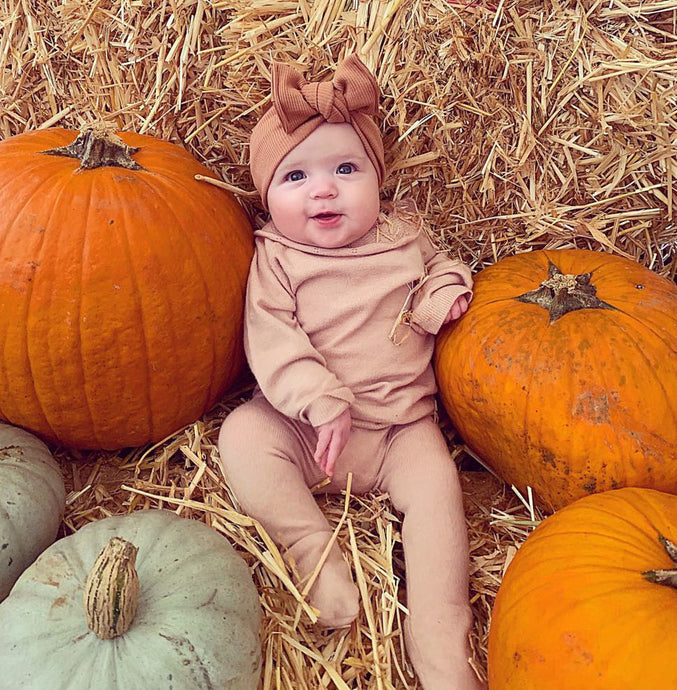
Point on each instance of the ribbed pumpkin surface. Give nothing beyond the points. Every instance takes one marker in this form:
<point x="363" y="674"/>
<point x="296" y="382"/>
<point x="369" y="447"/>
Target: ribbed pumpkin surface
<point x="197" y="625"/>
<point x="582" y="403"/>
<point x="32" y="502"/>
<point x="574" y="611"/>
<point x="121" y="292"/>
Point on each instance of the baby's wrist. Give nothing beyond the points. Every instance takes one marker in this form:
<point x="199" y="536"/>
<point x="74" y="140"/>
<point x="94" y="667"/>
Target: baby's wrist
<point x="327" y="409"/>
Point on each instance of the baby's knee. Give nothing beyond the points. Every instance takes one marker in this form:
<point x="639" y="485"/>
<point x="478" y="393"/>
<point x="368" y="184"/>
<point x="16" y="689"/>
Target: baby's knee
<point x="239" y="434"/>
<point x="230" y="432"/>
<point x="430" y="487"/>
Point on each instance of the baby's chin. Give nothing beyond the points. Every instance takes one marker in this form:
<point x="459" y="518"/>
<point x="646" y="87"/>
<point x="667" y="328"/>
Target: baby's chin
<point x="323" y="237"/>
<point x="327" y="242"/>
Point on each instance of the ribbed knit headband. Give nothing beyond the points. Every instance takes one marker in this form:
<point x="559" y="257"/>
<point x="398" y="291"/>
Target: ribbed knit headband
<point x="300" y="107"/>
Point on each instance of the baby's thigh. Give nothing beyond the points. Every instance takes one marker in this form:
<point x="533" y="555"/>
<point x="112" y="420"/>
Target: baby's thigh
<point x="255" y="439"/>
<point x="361" y="458"/>
<point x="418" y="470"/>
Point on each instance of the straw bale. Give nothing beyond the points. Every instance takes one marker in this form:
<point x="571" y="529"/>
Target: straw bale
<point x="515" y="124"/>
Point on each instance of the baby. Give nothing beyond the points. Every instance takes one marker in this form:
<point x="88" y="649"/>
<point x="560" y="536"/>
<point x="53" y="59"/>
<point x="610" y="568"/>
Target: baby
<point x="343" y="302"/>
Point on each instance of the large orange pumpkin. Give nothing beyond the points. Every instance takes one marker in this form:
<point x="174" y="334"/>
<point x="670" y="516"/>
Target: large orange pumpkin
<point x="589" y="602"/>
<point x="122" y="284"/>
<point x="562" y="375"/>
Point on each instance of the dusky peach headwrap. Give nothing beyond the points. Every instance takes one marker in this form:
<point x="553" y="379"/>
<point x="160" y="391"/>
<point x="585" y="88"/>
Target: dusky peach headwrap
<point x="300" y="107"/>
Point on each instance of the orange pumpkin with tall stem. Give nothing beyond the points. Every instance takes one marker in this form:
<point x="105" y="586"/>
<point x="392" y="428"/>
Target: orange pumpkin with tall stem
<point x="122" y="282"/>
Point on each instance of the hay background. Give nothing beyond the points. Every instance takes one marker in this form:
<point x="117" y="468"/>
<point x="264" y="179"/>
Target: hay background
<point x="515" y="125"/>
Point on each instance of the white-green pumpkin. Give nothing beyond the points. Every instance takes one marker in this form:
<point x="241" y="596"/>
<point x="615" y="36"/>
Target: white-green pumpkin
<point x="190" y="622"/>
<point x="32" y="501"/>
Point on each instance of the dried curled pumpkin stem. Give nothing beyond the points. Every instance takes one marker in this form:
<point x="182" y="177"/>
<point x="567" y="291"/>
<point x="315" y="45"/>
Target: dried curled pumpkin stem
<point x="98" y="146"/>
<point x="112" y="590"/>
<point x="562" y="293"/>
<point x="664" y="577"/>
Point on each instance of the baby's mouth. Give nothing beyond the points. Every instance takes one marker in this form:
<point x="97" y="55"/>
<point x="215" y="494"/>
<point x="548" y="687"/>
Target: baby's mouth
<point x="327" y="219"/>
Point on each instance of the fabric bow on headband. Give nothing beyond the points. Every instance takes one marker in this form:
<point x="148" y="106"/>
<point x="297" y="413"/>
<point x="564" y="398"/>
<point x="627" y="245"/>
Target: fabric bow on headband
<point x="300" y="107"/>
<point x="352" y="90"/>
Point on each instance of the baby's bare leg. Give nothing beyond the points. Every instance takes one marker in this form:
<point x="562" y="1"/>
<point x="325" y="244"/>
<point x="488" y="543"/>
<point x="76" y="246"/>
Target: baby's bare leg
<point x="423" y="484"/>
<point x="268" y="462"/>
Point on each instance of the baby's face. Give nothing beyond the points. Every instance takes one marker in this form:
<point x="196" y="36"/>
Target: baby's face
<point x="325" y="192"/>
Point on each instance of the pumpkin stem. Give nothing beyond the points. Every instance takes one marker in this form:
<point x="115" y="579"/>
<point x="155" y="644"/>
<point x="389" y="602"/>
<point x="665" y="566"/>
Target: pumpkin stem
<point x="664" y="577"/>
<point x="97" y="146"/>
<point x="112" y="590"/>
<point x="562" y="293"/>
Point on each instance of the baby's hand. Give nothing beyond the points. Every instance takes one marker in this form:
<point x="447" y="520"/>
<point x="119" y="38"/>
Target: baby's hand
<point x="458" y="308"/>
<point x="331" y="439"/>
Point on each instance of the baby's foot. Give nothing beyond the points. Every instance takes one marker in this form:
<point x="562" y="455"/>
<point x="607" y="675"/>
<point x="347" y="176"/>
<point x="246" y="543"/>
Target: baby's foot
<point x="335" y="596"/>
<point x="333" y="592"/>
<point x="439" y="652"/>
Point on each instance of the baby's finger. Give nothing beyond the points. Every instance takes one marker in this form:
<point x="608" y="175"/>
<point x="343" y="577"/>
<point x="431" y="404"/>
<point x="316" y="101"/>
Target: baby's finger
<point x="459" y="307"/>
<point x="338" y="443"/>
<point x="323" y="439"/>
<point x="332" y="456"/>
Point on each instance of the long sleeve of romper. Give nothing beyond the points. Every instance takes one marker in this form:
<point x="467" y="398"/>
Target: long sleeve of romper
<point x="447" y="279"/>
<point x="291" y="373"/>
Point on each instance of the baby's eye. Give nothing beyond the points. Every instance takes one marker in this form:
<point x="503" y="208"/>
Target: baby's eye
<point x="345" y="169"/>
<point x="295" y="175"/>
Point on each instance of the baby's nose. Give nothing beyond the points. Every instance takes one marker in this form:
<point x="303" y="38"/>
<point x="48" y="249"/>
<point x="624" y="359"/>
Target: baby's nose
<point x="323" y="187"/>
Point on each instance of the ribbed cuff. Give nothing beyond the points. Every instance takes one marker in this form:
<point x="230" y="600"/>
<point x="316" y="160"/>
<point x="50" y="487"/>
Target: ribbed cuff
<point x="430" y="313"/>
<point x="326" y="409"/>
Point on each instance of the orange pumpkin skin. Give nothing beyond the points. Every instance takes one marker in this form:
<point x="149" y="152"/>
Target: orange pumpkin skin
<point x="121" y="292"/>
<point x="574" y="609"/>
<point x="582" y="404"/>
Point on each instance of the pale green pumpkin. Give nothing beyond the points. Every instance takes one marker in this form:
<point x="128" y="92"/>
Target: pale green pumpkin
<point x="195" y="625"/>
<point x="32" y="501"/>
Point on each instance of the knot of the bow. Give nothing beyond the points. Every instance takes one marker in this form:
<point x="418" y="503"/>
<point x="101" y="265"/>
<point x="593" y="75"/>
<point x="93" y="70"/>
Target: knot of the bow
<point x="296" y="101"/>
